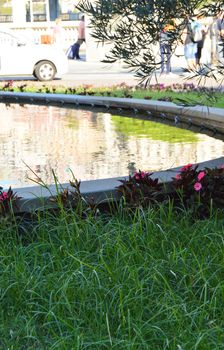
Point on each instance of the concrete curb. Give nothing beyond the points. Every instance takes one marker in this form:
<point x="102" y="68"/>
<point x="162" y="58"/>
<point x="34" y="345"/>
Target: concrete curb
<point x="103" y="189"/>
<point x="211" y="118"/>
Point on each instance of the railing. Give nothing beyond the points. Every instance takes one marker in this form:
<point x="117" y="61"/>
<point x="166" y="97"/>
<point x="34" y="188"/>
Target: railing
<point x="70" y="16"/>
<point x="5" y="18"/>
<point x="39" y="17"/>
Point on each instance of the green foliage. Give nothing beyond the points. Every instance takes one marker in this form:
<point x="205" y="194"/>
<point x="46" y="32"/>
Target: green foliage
<point x="8" y="202"/>
<point x="73" y="280"/>
<point x="199" y="191"/>
<point x="141" y="189"/>
<point x="127" y="283"/>
<point x="184" y="94"/>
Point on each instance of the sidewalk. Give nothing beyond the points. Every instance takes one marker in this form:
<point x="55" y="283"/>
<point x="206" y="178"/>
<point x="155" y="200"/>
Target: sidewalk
<point x="104" y="74"/>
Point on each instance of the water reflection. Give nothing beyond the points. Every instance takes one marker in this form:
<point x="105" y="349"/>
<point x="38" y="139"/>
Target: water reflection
<point x="94" y="145"/>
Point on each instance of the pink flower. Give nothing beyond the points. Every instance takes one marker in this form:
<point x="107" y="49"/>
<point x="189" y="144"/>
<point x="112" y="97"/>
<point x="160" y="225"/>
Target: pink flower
<point x="178" y="177"/>
<point x="186" y="167"/>
<point x="4" y="196"/>
<point x="136" y="176"/>
<point x="197" y="186"/>
<point x="201" y="175"/>
<point x="221" y="166"/>
<point x="139" y="175"/>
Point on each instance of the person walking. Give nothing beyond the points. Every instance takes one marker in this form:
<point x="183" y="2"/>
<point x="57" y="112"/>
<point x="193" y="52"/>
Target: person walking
<point x="220" y="37"/>
<point x="166" y="36"/>
<point x="190" y="46"/>
<point x="58" y="38"/>
<point x="81" y="39"/>
<point x="199" y="33"/>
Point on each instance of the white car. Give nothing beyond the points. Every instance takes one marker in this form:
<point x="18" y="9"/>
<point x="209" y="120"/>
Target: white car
<point x="20" y="56"/>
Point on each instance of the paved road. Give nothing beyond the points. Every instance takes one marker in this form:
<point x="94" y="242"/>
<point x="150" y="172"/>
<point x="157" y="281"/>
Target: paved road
<point x="97" y="74"/>
<point x="88" y="73"/>
<point x="102" y="74"/>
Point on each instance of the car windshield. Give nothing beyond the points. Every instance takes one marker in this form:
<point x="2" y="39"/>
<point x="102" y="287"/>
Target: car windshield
<point x="10" y="38"/>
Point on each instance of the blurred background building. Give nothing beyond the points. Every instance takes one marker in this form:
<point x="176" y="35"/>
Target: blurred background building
<point x="36" y="18"/>
<point x="33" y="11"/>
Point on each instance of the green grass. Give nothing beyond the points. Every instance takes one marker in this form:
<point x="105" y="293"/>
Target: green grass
<point x="188" y="97"/>
<point x="215" y="100"/>
<point x="153" y="281"/>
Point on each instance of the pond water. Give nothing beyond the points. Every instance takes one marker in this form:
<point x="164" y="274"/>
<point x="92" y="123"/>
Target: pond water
<point x="92" y="144"/>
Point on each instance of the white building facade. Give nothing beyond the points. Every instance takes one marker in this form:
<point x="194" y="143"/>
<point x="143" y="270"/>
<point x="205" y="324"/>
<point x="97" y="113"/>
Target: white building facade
<point x="37" y="18"/>
<point x="33" y="11"/>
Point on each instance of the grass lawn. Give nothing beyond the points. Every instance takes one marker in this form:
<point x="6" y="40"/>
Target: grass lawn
<point x="150" y="281"/>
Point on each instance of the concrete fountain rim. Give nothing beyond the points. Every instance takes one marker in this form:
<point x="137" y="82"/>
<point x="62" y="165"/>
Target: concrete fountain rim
<point x="36" y="197"/>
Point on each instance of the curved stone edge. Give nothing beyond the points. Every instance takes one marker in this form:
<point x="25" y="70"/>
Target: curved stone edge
<point x="209" y="117"/>
<point x="37" y="197"/>
<point x="101" y="190"/>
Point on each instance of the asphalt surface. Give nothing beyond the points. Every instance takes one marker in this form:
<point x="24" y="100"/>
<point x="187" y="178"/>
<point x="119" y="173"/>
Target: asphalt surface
<point x="97" y="74"/>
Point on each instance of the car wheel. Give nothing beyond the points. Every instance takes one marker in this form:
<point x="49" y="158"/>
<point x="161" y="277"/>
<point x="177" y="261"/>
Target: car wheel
<point x="44" y="71"/>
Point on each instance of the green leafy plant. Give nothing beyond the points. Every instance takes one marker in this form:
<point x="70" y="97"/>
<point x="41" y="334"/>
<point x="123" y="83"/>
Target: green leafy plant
<point x="141" y="189"/>
<point x="8" y="201"/>
<point x="199" y="189"/>
<point x="67" y="198"/>
<point x="8" y="86"/>
<point x="191" y="188"/>
<point x="73" y="199"/>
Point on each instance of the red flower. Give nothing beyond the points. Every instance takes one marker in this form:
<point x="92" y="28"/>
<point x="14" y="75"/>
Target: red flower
<point x="186" y="167"/>
<point x="4" y="196"/>
<point x="139" y="175"/>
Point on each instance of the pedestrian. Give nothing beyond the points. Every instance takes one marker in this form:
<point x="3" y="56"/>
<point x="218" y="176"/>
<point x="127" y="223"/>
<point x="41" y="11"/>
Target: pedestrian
<point x="199" y="33"/>
<point x="220" y="36"/>
<point x="81" y="39"/>
<point x="58" y="33"/>
<point x="190" y="46"/>
<point x="166" y="38"/>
